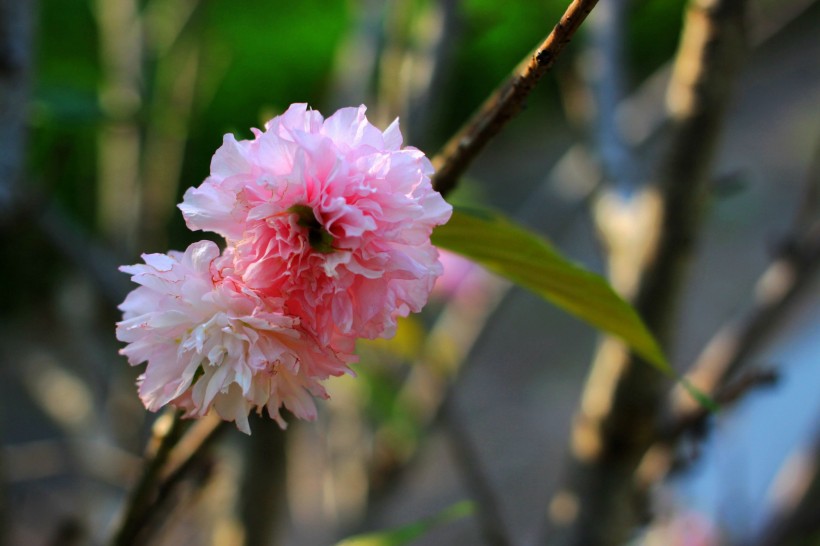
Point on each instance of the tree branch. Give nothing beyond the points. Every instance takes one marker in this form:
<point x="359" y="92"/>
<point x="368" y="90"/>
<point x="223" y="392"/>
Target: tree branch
<point x="797" y="498"/>
<point x="615" y="424"/>
<point x="168" y="464"/>
<point x="167" y="430"/>
<point x="456" y="156"/>
<point x="717" y="370"/>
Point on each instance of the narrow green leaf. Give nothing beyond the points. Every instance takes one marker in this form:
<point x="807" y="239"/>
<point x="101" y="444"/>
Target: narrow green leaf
<point x="700" y="397"/>
<point x="526" y="259"/>
<point x="406" y="533"/>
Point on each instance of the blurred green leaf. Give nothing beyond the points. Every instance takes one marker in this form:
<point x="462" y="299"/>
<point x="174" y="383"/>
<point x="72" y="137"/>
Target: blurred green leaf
<point x="406" y="533"/>
<point x="511" y="251"/>
<point x="64" y="105"/>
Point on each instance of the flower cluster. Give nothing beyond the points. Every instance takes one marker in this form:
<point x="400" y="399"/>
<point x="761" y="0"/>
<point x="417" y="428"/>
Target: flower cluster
<point x="327" y="225"/>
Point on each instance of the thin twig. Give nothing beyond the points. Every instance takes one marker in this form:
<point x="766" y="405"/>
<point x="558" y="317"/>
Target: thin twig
<point x="456" y="156"/>
<point x="144" y="491"/>
<point x="694" y="420"/>
<point x="200" y="437"/>
<point x="170" y="457"/>
<point x="178" y="464"/>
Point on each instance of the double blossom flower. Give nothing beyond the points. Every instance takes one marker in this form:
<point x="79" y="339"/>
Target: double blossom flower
<point x="327" y="225"/>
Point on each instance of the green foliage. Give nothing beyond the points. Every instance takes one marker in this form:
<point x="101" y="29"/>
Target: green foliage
<point x="654" y="29"/>
<point x="493" y="38"/>
<point x="403" y="535"/>
<point x="273" y="55"/>
<point x="530" y="261"/>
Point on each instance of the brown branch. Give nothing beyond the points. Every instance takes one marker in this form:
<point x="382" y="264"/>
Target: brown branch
<point x="694" y="421"/>
<point x="794" y="520"/>
<point x="171" y="457"/>
<point x="456" y="156"/>
<point x="199" y="438"/>
<point x="716" y="370"/>
<point x="166" y="432"/>
<point x="778" y="287"/>
<point x="183" y="461"/>
<point x="615" y="424"/>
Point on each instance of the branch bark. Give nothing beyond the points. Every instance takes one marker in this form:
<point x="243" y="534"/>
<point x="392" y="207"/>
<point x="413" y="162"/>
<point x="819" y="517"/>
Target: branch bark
<point x="454" y="159"/>
<point x="171" y="456"/>
<point x="166" y="432"/>
<point x="797" y="499"/>
<point x="615" y="424"/>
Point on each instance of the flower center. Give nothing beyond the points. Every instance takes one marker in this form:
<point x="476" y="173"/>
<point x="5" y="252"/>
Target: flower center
<point x="320" y="240"/>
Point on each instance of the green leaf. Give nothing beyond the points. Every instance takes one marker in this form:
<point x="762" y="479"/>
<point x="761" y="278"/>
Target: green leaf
<point x="515" y="253"/>
<point x="404" y="534"/>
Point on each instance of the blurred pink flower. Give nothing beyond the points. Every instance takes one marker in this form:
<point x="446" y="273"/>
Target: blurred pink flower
<point x="461" y="277"/>
<point x="333" y="216"/>
<point x="210" y="342"/>
<point x="683" y="528"/>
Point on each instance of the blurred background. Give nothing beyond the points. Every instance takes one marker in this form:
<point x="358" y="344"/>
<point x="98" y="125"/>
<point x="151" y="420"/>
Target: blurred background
<point x="112" y="108"/>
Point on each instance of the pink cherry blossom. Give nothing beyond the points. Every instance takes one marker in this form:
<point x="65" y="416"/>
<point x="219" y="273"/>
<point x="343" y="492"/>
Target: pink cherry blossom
<point x="211" y="343"/>
<point x="332" y="216"/>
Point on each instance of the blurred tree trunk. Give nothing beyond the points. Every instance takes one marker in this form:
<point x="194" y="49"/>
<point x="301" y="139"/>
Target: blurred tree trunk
<point x="119" y="139"/>
<point x="616" y="422"/>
